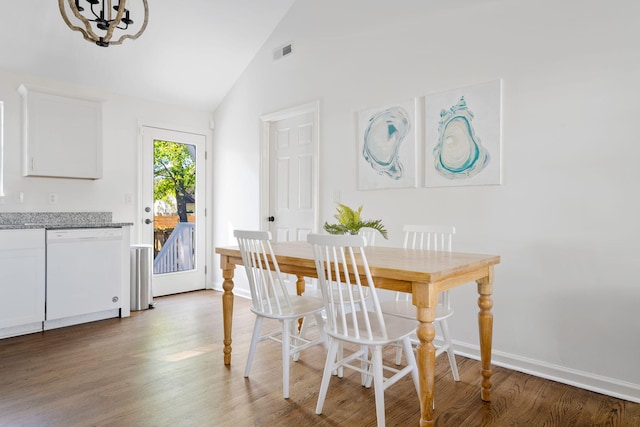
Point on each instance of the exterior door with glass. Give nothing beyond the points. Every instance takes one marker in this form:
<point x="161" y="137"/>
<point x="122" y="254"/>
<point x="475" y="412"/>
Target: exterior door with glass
<point x="173" y="204"/>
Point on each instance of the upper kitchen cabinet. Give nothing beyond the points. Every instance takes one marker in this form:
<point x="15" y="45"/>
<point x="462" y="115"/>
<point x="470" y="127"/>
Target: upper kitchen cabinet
<point x="62" y="135"/>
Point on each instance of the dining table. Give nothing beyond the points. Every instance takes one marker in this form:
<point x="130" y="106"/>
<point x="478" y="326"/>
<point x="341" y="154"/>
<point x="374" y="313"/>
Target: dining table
<point x="423" y="273"/>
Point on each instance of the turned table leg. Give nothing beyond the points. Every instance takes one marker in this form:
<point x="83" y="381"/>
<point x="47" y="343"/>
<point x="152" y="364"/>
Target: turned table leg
<point x="227" y="307"/>
<point x="300" y="285"/>
<point x="485" y="323"/>
<point x="426" y="351"/>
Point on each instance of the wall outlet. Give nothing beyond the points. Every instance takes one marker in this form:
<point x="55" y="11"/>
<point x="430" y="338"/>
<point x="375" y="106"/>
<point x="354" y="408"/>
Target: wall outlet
<point x="19" y="197"/>
<point x="53" y="198"/>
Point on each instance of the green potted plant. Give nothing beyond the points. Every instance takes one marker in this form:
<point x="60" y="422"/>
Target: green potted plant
<point x="350" y="222"/>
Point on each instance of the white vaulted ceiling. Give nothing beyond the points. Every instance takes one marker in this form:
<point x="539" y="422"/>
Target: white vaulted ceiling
<point x="191" y="53"/>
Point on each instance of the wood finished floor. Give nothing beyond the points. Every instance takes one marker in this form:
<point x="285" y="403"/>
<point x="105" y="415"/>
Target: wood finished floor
<point x="163" y="367"/>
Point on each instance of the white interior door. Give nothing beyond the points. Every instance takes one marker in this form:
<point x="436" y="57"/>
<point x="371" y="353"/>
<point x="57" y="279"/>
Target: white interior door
<point x="177" y="232"/>
<point x="292" y="172"/>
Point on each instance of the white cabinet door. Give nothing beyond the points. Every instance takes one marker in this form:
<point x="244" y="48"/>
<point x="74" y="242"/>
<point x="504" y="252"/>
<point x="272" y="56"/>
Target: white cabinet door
<point x="22" y="283"/>
<point x="62" y="135"/>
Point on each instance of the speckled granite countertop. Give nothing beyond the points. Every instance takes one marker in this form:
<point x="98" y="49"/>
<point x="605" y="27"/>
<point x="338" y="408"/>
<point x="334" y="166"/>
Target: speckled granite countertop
<point x="58" y="220"/>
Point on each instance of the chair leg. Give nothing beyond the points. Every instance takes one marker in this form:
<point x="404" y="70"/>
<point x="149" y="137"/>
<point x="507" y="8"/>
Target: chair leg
<point x="286" y="357"/>
<point x="303" y="328"/>
<point x="296" y="355"/>
<point x="326" y="375"/>
<point x="411" y="360"/>
<point x="450" y="354"/>
<point x="398" y="355"/>
<point x="378" y="383"/>
<point x="339" y="372"/>
<point x="364" y="365"/>
<point x="320" y="323"/>
<point x="255" y="337"/>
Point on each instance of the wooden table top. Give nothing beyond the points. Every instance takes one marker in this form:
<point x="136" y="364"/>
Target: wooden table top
<point x="411" y="265"/>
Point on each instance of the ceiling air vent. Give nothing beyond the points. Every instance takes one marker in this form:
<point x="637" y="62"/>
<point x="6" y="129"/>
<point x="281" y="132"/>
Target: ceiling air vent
<point x="283" y="51"/>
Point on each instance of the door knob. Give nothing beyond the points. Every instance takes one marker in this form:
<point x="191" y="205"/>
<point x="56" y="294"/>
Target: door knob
<point x="271" y="219"/>
<point x="147" y="221"/>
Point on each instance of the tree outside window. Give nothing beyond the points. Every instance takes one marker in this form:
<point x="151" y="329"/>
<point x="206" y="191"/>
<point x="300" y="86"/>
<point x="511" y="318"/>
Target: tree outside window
<point x="174" y="170"/>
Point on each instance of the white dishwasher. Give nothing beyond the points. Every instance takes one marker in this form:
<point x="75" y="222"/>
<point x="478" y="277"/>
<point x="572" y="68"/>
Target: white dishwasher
<point x="83" y="275"/>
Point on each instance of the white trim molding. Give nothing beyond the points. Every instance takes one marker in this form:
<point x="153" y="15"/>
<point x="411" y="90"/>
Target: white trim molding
<point x="573" y="377"/>
<point x="237" y="291"/>
<point x="312" y="107"/>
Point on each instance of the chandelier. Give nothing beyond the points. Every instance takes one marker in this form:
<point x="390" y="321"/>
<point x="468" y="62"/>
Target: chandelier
<point x="101" y="23"/>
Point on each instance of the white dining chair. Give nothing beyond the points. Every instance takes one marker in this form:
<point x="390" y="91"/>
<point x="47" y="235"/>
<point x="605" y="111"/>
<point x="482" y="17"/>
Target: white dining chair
<point x="271" y="300"/>
<point x="435" y="238"/>
<point x="341" y="265"/>
<point x="369" y="234"/>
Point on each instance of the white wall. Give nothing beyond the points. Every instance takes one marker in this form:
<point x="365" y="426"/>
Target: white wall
<point x="122" y="117"/>
<point x="565" y="221"/>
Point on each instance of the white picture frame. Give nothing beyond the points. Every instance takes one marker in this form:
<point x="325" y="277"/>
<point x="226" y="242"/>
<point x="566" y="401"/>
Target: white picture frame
<point x="463" y="136"/>
<point x="387" y="138"/>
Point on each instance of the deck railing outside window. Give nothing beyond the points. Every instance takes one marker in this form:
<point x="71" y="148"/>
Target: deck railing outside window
<point x="178" y="252"/>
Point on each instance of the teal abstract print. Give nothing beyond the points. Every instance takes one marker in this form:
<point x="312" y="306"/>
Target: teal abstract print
<point x="463" y="140"/>
<point x="459" y="153"/>
<point x="382" y="138"/>
<point x="387" y="147"/>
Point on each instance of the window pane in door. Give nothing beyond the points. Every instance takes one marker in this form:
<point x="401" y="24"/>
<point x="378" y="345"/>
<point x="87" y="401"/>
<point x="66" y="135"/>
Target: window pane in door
<point x="174" y="186"/>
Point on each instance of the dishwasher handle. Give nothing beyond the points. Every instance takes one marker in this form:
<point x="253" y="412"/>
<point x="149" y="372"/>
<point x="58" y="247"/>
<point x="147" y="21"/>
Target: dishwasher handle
<point x="83" y="235"/>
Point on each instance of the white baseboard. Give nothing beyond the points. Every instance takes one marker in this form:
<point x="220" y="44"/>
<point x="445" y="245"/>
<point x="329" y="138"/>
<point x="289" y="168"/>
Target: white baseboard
<point x="83" y="318"/>
<point x="237" y="292"/>
<point x="14" y="331"/>
<point x="585" y="380"/>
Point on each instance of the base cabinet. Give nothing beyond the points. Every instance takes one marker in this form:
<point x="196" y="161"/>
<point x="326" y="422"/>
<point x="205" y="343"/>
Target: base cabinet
<point x="82" y="277"/>
<point x="22" y="283"/>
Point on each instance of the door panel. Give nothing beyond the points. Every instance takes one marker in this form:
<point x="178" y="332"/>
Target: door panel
<point x="292" y="177"/>
<point x="176" y="228"/>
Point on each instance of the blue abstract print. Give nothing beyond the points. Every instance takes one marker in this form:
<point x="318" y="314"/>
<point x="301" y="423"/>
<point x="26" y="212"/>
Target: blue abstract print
<point x="458" y="153"/>
<point x="382" y="139"/>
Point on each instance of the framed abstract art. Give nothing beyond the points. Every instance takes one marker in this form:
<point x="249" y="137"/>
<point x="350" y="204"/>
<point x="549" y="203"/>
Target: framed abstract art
<point x="387" y="146"/>
<point x="463" y="136"/>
